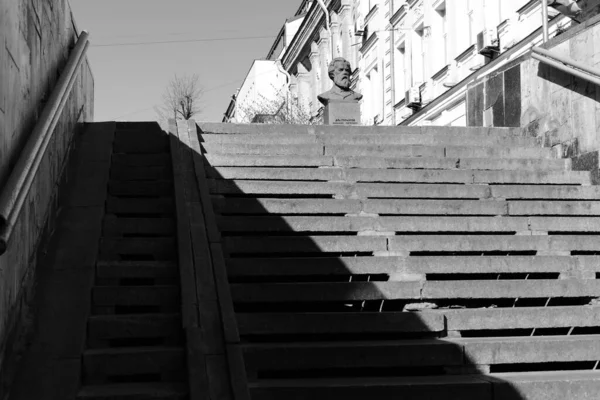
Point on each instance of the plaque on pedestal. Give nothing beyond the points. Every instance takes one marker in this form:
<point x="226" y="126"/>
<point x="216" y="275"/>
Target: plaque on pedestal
<point x="341" y="113"/>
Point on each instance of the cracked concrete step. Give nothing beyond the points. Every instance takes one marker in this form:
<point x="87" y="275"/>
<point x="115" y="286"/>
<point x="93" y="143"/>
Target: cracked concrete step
<point x="136" y="269"/>
<point x="238" y="268"/>
<point x="140" y="173"/>
<point x="450" y="151"/>
<point x="405" y="388"/>
<point x="140" y="205"/>
<point x="140" y="188"/>
<point x="519" y="318"/>
<point x="411" y="290"/>
<point x="141" y="249"/>
<point x="401" y="175"/>
<point x="104" y="330"/>
<point x="551" y="385"/>
<point x="110" y="297"/>
<point x="224" y="160"/>
<point x="412" y="243"/>
<point x="539" y="349"/>
<point x="263" y="149"/>
<point x="134" y="391"/>
<point x="380" y="224"/>
<point x="339" y="323"/>
<point x="115" y="227"/>
<point x="104" y="365"/>
<point x="141" y="160"/>
<point x="521" y="164"/>
<point x="219" y="186"/>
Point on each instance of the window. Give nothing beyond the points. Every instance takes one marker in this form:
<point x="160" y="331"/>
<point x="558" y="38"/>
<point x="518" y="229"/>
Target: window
<point x="441" y="26"/>
<point x="418" y="55"/>
<point x="400" y="71"/>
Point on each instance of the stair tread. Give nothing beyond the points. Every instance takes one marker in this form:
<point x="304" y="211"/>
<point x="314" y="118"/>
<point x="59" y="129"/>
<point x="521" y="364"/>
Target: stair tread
<point x="150" y="389"/>
<point x="131" y="350"/>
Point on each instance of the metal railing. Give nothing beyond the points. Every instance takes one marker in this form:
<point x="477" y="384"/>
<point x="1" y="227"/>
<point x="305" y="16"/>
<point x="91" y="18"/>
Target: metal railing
<point x="567" y="65"/>
<point x="545" y="20"/>
<point x="15" y="192"/>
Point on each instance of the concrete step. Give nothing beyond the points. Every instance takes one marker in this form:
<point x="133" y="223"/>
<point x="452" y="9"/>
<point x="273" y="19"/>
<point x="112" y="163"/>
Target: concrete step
<point x="140" y="249"/>
<point x="382" y="224"/>
<point x="118" y="270"/>
<point x="551" y="385"/>
<point x="434" y="207"/>
<point x="106" y="365"/>
<point x="476" y="191"/>
<point x="118" y="227"/>
<point x="431" y="139"/>
<point x="288" y="129"/>
<point x="263" y="149"/>
<point x="334" y="323"/>
<point x="401" y="175"/>
<point x="412" y="290"/>
<point x="302" y="174"/>
<point x="140" y="205"/>
<point x="108" y="330"/>
<point x="520" y="164"/>
<point x="108" y="299"/>
<point x="122" y="172"/>
<point x="540" y="349"/>
<point x="549" y="207"/>
<point x="140" y="188"/>
<point x="553" y="244"/>
<point x="238" y="268"/>
<point x="219" y="186"/>
<point x="518" y="318"/>
<point x="134" y="391"/>
<point x="286" y="206"/>
<point x="141" y="160"/>
<point x="467" y="176"/>
<point x="264" y="358"/>
<point x="238" y="160"/>
<point x="450" y="151"/>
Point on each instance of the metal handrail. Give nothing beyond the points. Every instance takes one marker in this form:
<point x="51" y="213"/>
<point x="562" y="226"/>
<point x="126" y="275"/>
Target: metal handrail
<point x="545" y="20"/>
<point x="567" y="64"/>
<point x="21" y="178"/>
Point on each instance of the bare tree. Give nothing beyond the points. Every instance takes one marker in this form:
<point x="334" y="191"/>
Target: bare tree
<point x="282" y="109"/>
<point x="181" y="99"/>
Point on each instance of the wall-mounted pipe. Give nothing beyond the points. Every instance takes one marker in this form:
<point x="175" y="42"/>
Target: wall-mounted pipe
<point x="327" y="22"/>
<point x="545" y="20"/>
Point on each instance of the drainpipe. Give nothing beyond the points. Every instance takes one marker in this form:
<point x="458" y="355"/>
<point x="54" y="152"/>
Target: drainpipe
<point x="327" y="22"/>
<point x="545" y="20"/>
<point x="281" y="68"/>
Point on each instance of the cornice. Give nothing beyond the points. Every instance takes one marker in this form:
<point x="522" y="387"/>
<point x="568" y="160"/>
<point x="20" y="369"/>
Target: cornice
<point x="307" y="32"/>
<point x="369" y="43"/>
<point x="398" y="15"/>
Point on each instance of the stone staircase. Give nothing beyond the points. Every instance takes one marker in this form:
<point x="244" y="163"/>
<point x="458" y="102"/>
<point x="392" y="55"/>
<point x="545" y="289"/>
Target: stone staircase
<point x="135" y="341"/>
<point x="413" y="263"/>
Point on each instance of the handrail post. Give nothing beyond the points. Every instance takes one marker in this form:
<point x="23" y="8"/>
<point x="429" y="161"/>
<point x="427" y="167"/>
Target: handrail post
<point x="545" y="20"/>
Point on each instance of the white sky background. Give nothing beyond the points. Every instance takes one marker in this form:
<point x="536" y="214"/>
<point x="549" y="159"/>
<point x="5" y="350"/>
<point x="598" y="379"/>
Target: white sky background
<point x="129" y="80"/>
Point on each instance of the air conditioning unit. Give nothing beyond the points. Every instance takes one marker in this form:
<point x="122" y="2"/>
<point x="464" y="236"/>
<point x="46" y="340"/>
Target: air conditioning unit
<point x="359" y="28"/>
<point x="488" y="43"/>
<point x="413" y="97"/>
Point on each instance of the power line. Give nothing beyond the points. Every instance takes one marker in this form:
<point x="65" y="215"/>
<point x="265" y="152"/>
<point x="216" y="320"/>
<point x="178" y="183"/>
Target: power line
<point x="183" y="41"/>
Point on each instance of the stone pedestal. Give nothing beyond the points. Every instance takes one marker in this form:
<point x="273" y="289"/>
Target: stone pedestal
<point x="342" y="113"/>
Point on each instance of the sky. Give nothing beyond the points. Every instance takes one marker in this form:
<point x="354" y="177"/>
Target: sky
<point x="130" y="79"/>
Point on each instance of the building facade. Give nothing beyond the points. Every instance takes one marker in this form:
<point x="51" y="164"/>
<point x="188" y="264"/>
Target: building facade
<point x="406" y="54"/>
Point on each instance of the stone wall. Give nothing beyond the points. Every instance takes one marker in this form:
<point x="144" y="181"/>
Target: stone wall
<point x="35" y="39"/>
<point x="543" y="100"/>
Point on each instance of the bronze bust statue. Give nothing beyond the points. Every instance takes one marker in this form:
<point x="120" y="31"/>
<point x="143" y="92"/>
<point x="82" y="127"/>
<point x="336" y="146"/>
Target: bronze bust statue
<point x="339" y="72"/>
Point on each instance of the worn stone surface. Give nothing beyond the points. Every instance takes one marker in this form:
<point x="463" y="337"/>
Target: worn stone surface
<point x="35" y="39"/>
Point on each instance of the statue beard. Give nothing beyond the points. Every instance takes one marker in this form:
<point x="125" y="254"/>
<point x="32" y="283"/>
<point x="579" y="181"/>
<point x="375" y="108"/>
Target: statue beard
<point x="342" y="81"/>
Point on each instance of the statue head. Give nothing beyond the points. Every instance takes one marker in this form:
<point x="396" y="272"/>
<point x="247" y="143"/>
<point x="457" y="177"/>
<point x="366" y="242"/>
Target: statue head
<point x="340" y="71"/>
